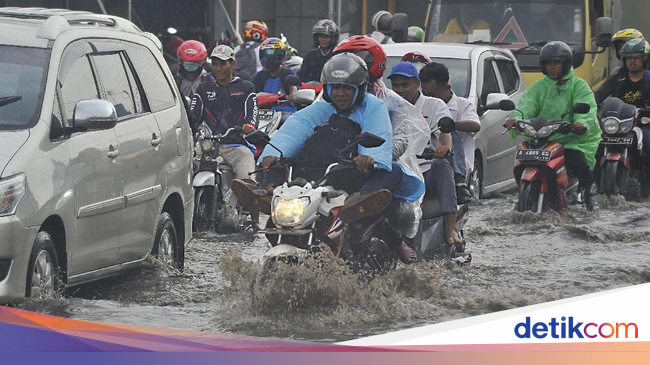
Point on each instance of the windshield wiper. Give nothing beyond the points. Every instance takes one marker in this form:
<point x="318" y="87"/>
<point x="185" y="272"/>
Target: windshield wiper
<point x="532" y="45"/>
<point x="490" y="43"/>
<point x="5" y="100"/>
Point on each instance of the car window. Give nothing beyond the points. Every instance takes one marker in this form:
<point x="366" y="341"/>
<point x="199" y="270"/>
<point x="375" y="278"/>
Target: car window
<point x="158" y="91"/>
<point x="115" y="85"/>
<point x="509" y="76"/>
<point x="490" y="83"/>
<point x="136" y="88"/>
<point x="79" y="84"/>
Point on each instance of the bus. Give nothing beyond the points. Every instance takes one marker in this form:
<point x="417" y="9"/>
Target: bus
<point x="525" y="26"/>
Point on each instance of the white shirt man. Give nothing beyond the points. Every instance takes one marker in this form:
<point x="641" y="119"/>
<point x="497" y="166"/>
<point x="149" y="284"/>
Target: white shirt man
<point x="463" y="109"/>
<point x="432" y="109"/>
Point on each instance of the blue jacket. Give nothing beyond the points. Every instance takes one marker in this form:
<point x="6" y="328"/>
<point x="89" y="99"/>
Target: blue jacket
<point x="371" y="115"/>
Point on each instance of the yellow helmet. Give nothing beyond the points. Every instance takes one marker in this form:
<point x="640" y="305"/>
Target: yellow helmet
<point x="619" y="38"/>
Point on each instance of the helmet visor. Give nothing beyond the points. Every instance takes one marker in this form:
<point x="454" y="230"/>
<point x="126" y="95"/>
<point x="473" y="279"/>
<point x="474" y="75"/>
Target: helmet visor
<point x="192" y="66"/>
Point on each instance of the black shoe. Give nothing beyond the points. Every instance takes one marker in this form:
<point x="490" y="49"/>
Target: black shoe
<point x="591" y="203"/>
<point x="463" y="195"/>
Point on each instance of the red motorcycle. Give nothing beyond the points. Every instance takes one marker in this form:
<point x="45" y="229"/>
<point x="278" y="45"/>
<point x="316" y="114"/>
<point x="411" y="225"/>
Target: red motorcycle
<point x="540" y="170"/>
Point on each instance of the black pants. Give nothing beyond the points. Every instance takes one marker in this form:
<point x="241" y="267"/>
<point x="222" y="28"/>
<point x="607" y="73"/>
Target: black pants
<point x="382" y="179"/>
<point x="576" y="161"/>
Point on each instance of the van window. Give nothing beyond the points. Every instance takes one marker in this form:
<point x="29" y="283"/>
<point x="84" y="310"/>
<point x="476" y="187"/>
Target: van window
<point x="79" y="84"/>
<point x="490" y="84"/>
<point x="115" y="84"/>
<point x="509" y="76"/>
<point x="136" y="88"/>
<point x="156" y="87"/>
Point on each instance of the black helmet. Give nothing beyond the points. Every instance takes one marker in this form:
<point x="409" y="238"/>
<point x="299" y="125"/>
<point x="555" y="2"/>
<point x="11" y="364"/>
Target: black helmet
<point x="347" y="69"/>
<point x="328" y="28"/>
<point x="556" y="50"/>
<point x="636" y="47"/>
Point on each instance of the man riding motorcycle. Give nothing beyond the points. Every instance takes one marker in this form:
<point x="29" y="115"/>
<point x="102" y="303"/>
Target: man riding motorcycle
<point x="273" y="52"/>
<point x="192" y="56"/>
<point x="326" y="37"/>
<point x="345" y="78"/>
<point x="553" y="97"/>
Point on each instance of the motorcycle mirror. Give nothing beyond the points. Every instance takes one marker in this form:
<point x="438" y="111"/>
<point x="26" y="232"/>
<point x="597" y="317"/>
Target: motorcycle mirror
<point x="498" y="101"/>
<point x="507" y="105"/>
<point x="292" y="80"/>
<point x="258" y="138"/>
<point x="581" y="108"/>
<point x="446" y="125"/>
<point x="369" y="140"/>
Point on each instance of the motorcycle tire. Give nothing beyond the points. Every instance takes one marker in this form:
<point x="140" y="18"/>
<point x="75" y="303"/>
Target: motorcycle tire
<point x="202" y="206"/>
<point x="528" y="196"/>
<point x="609" y="179"/>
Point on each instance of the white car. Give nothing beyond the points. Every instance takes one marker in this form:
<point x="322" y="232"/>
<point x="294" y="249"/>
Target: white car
<point x="477" y="71"/>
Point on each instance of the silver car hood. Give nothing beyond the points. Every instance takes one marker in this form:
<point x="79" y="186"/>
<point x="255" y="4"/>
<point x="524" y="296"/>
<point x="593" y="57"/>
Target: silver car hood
<point x="10" y="143"/>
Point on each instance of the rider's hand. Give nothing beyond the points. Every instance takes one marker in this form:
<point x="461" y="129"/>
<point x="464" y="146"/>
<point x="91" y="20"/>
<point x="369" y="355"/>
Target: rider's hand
<point x="247" y="128"/>
<point x="268" y="161"/>
<point x="291" y="98"/>
<point x="364" y="163"/>
<point x="509" y="123"/>
<point x="579" y="128"/>
<point x="442" y="151"/>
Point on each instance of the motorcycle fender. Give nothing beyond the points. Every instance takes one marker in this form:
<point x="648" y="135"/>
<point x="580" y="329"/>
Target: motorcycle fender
<point x="203" y="178"/>
<point x="531" y="174"/>
<point x="284" y="250"/>
<point x="432" y="234"/>
<point x="614" y="156"/>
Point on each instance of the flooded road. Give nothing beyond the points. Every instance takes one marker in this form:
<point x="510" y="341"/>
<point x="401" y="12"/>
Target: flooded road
<point x="518" y="260"/>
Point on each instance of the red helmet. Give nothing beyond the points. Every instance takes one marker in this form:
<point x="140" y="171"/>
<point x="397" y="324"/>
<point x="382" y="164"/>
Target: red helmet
<point x="369" y="50"/>
<point x="415" y="57"/>
<point x="192" y="51"/>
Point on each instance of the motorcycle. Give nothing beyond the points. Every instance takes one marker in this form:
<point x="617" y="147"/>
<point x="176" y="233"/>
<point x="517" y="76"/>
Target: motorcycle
<point x="620" y="167"/>
<point x="304" y="215"/>
<point x="544" y="181"/>
<point x="215" y="206"/>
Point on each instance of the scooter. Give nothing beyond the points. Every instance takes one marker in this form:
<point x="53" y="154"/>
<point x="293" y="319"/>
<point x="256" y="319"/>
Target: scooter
<point x="215" y="206"/>
<point x="305" y="215"/>
<point x="540" y="170"/>
<point x="620" y="167"/>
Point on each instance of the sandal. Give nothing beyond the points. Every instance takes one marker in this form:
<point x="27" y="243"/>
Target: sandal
<point x="406" y="253"/>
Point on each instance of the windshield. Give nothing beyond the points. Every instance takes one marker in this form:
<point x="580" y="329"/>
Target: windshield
<point x="22" y="76"/>
<point x="460" y="73"/>
<point x="512" y="24"/>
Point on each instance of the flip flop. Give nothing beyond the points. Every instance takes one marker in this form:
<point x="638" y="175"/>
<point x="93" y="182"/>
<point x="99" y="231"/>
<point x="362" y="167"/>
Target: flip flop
<point x="406" y="254"/>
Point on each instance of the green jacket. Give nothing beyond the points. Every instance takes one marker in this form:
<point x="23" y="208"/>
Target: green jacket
<point x="545" y="99"/>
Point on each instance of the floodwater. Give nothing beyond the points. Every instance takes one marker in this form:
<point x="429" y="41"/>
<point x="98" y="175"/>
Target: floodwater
<point x="518" y="260"/>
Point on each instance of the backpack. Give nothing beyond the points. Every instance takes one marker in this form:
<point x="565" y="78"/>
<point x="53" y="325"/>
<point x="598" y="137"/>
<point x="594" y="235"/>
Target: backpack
<point x="260" y="81"/>
<point x="246" y="58"/>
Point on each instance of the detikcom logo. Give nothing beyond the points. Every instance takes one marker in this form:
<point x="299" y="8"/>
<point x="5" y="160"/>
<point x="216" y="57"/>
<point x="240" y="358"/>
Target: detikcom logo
<point x="571" y="329"/>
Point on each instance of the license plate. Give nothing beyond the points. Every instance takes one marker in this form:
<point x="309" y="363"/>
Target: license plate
<point x="616" y="140"/>
<point x="265" y="114"/>
<point x="533" y="155"/>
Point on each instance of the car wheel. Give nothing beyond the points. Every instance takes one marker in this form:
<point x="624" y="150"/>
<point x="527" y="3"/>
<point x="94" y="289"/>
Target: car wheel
<point x="167" y="248"/>
<point x="43" y="268"/>
<point x="476" y="179"/>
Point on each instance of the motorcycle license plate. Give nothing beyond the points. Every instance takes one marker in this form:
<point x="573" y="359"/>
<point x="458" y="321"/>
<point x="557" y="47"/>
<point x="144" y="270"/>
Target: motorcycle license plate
<point x="533" y="155"/>
<point x="616" y="140"/>
<point x="265" y="114"/>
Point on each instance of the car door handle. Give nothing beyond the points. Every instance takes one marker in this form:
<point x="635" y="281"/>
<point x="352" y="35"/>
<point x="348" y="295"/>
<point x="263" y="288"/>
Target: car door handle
<point x="113" y="153"/>
<point x="155" y="141"/>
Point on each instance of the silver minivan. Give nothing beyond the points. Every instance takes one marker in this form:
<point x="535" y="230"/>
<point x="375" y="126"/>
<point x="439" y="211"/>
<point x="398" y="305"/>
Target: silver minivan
<point x="95" y="158"/>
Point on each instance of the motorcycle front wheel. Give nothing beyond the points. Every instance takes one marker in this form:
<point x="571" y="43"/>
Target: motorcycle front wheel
<point x="609" y="178"/>
<point x="528" y="196"/>
<point x="203" y="198"/>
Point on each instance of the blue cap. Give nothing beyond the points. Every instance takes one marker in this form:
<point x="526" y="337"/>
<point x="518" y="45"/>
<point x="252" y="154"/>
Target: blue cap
<point x="406" y="69"/>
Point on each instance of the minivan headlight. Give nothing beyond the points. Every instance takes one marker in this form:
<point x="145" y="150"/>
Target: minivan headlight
<point x="12" y="190"/>
<point x="289" y="213"/>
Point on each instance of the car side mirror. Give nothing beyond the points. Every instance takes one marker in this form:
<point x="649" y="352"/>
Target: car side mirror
<point x="369" y="140"/>
<point x="292" y="80"/>
<point x="446" y="125"/>
<point x="305" y="96"/>
<point x="581" y="108"/>
<point x="603" y="31"/>
<point x="94" y="114"/>
<point x="497" y="101"/>
<point x="399" y="27"/>
<point x="257" y="138"/>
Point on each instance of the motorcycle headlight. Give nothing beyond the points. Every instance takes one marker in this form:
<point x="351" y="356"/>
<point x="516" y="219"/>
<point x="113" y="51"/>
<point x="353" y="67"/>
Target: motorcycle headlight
<point x="626" y="125"/>
<point x="610" y="125"/>
<point x="546" y="130"/>
<point x="529" y="130"/>
<point x="12" y="190"/>
<point x="206" y="145"/>
<point x="289" y="213"/>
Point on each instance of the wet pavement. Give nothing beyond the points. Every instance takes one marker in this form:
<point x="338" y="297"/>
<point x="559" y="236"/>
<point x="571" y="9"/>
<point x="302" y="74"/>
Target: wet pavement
<point x="519" y="259"/>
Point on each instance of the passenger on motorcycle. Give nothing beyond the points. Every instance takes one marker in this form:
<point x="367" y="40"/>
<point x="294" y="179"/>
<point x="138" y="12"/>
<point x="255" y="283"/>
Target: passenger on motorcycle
<point x="418" y="59"/>
<point x="248" y="53"/>
<point x="631" y="84"/>
<point x="192" y="56"/>
<point x="438" y="174"/>
<point x="345" y="78"/>
<point x="272" y="78"/>
<point x="553" y="97"/>
<point x="434" y="78"/>
<point x="620" y="38"/>
<point x="410" y="130"/>
<point x="326" y="37"/>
